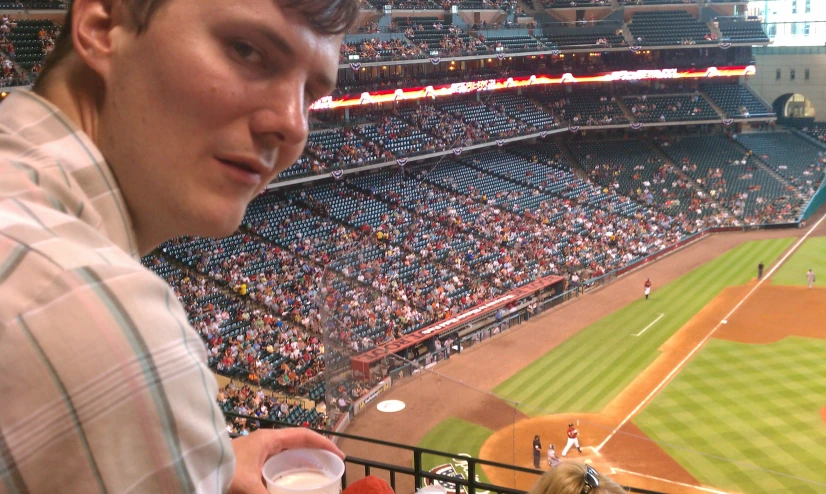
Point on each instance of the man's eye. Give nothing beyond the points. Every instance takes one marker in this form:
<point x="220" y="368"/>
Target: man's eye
<point x="246" y="52"/>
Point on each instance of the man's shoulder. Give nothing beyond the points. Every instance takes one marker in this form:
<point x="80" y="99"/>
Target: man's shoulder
<point x="65" y="259"/>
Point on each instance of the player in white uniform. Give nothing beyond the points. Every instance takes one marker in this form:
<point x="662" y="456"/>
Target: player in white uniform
<point x="572" y="440"/>
<point x="553" y="460"/>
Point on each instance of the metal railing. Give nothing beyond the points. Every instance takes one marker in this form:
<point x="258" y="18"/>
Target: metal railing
<point x="416" y="471"/>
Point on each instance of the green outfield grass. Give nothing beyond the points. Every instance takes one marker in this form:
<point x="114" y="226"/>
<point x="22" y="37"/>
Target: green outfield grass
<point x="757" y="407"/>
<point x="589" y="369"/>
<point x="455" y="436"/>
<point x="810" y="255"/>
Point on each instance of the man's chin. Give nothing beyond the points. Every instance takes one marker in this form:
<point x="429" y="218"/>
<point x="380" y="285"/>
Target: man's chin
<point x="219" y="226"/>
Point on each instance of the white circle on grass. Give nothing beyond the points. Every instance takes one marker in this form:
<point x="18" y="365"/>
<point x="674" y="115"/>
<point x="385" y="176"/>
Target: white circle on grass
<point x="390" y="406"/>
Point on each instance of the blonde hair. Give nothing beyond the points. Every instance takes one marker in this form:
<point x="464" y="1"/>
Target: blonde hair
<point x="569" y="478"/>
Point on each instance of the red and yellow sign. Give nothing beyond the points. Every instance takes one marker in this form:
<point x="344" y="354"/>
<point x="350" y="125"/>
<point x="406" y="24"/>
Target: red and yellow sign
<point x="414" y="93"/>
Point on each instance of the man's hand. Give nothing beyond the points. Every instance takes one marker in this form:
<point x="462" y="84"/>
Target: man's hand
<point x="253" y="450"/>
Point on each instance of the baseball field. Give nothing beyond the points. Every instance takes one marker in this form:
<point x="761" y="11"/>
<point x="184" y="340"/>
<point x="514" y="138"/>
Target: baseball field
<point x="717" y="383"/>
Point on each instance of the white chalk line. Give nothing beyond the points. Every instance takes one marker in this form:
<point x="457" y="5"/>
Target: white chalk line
<point x="615" y="470"/>
<point x="646" y="328"/>
<point x="710" y="334"/>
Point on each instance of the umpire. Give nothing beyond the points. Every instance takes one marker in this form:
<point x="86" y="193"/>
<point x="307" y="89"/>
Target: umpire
<point x="537" y="451"/>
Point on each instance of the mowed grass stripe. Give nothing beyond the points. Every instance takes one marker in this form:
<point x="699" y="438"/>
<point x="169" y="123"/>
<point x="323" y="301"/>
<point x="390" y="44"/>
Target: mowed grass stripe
<point x="810" y="255"/>
<point x="455" y="436"/>
<point x="761" y="406"/>
<point x="587" y="353"/>
<point x="589" y="369"/>
<point x="604" y="357"/>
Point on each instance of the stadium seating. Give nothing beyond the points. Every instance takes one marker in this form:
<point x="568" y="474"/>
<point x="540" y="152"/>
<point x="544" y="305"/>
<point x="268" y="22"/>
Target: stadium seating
<point x="798" y="161"/>
<point x="668" y="27"/>
<point x="343" y="148"/>
<point x="740" y="32"/>
<point x="585" y="106"/>
<point x="32" y="5"/>
<point x="733" y="178"/>
<point x="509" y="43"/>
<point x="404" y="4"/>
<point x="397" y="48"/>
<point x="413" y="246"/>
<point x="573" y="37"/>
<point x="672" y="108"/>
<point x="557" y="4"/>
<point x="816" y="130"/>
<point x="633" y="169"/>
<point x="536" y="117"/>
<point x="495" y="123"/>
<point x="656" y="2"/>
<point x="736" y="100"/>
<point x="26" y="38"/>
<point x="448" y="129"/>
<point x="398" y="137"/>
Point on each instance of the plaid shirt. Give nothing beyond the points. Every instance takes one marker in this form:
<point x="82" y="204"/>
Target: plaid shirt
<point x="104" y="385"/>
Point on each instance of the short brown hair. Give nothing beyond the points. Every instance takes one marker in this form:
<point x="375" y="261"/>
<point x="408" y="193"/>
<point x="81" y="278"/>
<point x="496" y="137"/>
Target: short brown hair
<point x="329" y="17"/>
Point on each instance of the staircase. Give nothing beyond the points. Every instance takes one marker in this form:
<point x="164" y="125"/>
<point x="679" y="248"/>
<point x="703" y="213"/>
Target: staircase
<point x="760" y="98"/>
<point x="576" y="168"/>
<point x="714" y="30"/>
<point x="538" y="7"/>
<point x="625" y="110"/>
<point x="659" y="152"/>
<point x="713" y="104"/>
<point x="759" y="162"/>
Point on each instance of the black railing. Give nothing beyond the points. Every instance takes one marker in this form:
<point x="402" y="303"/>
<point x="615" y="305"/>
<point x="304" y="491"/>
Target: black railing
<point x="417" y="472"/>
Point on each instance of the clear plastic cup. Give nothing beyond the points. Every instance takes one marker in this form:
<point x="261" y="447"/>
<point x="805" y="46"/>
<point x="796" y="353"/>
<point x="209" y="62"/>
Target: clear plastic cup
<point x="308" y="471"/>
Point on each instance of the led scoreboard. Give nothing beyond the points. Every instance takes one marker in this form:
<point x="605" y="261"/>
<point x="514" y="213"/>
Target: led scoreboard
<point x="414" y="93"/>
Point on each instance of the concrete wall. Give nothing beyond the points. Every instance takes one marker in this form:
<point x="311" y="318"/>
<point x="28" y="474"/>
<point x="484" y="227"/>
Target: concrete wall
<point x="770" y="59"/>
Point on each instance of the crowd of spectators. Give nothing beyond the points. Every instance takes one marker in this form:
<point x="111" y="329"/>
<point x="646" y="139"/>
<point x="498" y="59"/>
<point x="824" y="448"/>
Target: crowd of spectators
<point x="378" y="49"/>
<point x="242" y="399"/>
<point x="448" y="129"/>
<point x="15" y="72"/>
<point x="816" y="130"/>
<point x="393" y="252"/>
<point x="353" y="151"/>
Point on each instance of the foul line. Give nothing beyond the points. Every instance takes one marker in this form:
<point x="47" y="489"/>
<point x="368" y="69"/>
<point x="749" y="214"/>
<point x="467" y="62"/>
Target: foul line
<point x="710" y="334"/>
<point x="651" y="477"/>
<point x="646" y="328"/>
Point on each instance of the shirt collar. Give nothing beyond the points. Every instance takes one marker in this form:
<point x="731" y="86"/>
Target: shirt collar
<point x="45" y="127"/>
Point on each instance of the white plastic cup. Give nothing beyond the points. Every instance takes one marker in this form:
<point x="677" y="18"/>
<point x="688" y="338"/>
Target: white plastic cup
<point x="305" y="471"/>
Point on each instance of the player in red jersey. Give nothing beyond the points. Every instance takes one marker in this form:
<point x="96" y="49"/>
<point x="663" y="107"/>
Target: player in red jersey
<point x="647" y="288"/>
<point x="572" y="440"/>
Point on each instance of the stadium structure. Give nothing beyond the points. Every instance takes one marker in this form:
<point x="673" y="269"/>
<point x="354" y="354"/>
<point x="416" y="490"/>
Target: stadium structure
<point x="456" y="263"/>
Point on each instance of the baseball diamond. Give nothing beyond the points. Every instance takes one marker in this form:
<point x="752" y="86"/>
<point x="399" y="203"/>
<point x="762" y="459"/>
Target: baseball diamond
<point x="657" y="403"/>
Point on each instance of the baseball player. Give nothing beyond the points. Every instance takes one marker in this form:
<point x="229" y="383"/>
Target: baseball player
<point x="647" y="288"/>
<point x="553" y="460"/>
<point x="537" y="450"/>
<point x="572" y="440"/>
<point x="760" y="271"/>
<point x="810" y="276"/>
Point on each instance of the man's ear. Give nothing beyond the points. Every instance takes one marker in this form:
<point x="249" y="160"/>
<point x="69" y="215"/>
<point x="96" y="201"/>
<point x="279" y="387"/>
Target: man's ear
<point x="93" y="25"/>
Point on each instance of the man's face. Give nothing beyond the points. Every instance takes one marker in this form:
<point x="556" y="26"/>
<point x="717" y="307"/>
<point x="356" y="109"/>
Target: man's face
<point x="206" y="107"/>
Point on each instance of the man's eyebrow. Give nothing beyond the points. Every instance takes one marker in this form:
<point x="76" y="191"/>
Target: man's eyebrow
<point x="321" y="79"/>
<point x="279" y="41"/>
